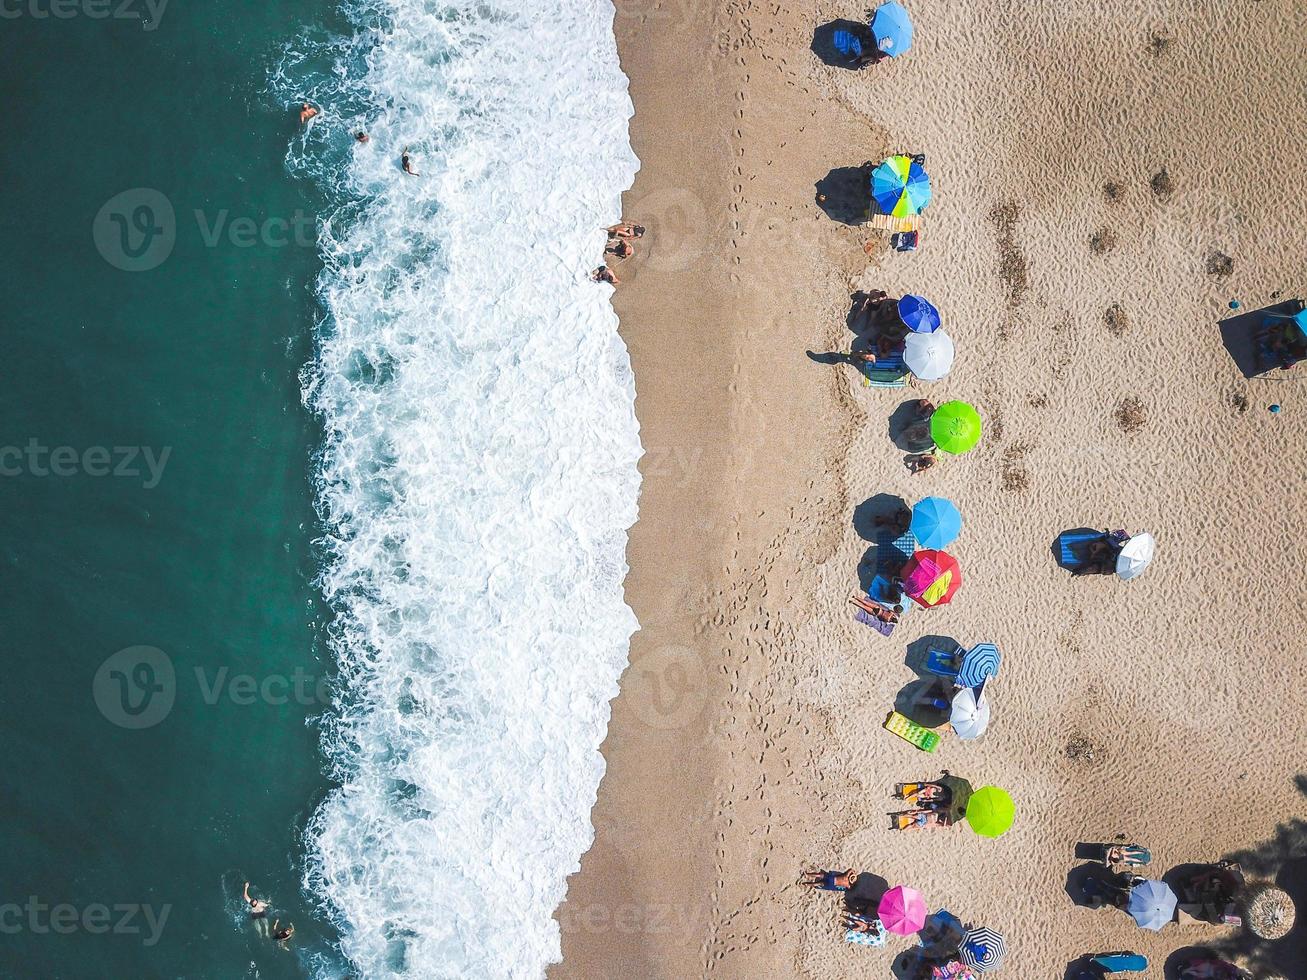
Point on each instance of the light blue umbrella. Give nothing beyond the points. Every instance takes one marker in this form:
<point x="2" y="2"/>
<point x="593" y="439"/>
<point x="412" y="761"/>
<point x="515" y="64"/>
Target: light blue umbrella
<point x="1152" y="904"/>
<point x="979" y="664"/>
<point x="936" y="522"/>
<point x="918" y="314"/>
<point x="893" y="28"/>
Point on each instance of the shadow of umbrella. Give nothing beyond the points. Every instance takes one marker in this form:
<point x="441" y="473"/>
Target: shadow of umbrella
<point x="823" y="42"/>
<point x="844" y="194"/>
<point x="1239" y="335"/>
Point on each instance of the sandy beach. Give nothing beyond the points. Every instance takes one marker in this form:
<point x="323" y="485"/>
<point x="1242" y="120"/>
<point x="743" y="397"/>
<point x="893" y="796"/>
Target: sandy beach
<point x="1108" y="176"/>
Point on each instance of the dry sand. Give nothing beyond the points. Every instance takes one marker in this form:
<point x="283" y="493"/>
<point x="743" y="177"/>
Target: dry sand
<point x="1083" y="290"/>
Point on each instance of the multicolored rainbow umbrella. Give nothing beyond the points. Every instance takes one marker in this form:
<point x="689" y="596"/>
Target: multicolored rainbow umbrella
<point x="931" y="578"/>
<point x="900" y="187"/>
<point x="955" y="427"/>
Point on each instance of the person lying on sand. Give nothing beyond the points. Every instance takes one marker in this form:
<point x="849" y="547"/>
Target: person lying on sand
<point x="875" y="609"/>
<point x="920" y="461"/>
<point x="626" y="230"/>
<point x="621" y="247"/>
<point x="307" y="112"/>
<point x="861" y="923"/>
<point x="830" y="881"/>
<point x="605" y="274"/>
<point x="406" y="162"/>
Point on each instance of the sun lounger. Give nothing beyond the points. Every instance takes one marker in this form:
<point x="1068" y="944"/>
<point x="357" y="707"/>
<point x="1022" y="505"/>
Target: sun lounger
<point x="912" y="733"/>
<point x="944" y="664"/>
<point x="1122" y="962"/>
<point x="906" y="818"/>
<point x="889" y="371"/>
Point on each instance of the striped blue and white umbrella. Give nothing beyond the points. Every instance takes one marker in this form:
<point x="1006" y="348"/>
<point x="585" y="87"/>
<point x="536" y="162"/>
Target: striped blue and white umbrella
<point x="980" y="663"/>
<point x="982" y="949"/>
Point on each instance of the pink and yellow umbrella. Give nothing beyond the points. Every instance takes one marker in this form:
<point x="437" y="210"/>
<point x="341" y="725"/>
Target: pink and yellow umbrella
<point x="931" y="578"/>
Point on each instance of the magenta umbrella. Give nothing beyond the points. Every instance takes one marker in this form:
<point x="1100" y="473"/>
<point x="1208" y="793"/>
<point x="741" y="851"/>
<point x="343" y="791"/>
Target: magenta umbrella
<point x="902" y="910"/>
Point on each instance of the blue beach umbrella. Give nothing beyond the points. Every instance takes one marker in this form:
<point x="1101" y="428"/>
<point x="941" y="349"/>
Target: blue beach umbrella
<point x="900" y="186"/>
<point x="919" y="314"/>
<point x="980" y="663"/>
<point x="893" y="28"/>
<point x="1152" y="904"/>
<point x="936" y="522"/>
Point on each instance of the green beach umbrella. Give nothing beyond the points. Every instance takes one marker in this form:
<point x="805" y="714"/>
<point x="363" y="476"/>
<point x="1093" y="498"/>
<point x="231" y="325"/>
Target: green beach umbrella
<point x="955" y="427"/>
<point x="990" y="811"/>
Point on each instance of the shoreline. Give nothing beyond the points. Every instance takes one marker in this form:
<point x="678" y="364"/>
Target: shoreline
<point x="745" y="743"/>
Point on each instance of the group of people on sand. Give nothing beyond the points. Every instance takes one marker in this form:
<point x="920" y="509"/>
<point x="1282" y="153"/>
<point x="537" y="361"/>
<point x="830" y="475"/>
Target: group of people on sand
<point x="621" y="239"/>
<point x="860" y="891"/>
<point x="259" y="909"/>
<point x="932" y="804"/>
<point x="309" y="111"/>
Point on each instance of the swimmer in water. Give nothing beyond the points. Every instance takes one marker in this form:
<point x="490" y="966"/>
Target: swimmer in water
<point x="361" y="136"/>
<point x="307" y="112"/>
<point x="282" y="936"/>
<point x="407" y="164"/>
<point x="258" y="911"/>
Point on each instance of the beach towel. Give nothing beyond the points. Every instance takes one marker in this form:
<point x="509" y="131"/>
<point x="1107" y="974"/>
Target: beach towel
<point x="881" y="627"/>
<point x="1071" y="544"/>
<point x="875" y="938"/>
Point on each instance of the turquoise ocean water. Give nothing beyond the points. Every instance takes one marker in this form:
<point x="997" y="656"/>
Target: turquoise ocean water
<point x="272" y="413"/>
<point x="206" y="558"/>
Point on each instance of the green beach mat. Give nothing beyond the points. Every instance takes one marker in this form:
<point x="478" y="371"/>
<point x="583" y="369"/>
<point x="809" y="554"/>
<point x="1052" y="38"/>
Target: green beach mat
<point x="908" y="730"/>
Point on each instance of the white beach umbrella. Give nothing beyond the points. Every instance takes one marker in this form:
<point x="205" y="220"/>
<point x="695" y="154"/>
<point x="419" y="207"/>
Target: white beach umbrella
<point x="928" y="355"/>
<point x="970" y="714"/>
<point x="1135" y="556"/>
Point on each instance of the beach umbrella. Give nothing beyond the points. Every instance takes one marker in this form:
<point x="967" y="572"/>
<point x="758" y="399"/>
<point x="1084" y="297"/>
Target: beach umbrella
<point x="928" y="355"/>
<point x="1152" y="904"/>
<point x="902" y="910"/>
<point x="900" y="187"/>
<point x="982" y="949"/>
<point x="936" y="522"/>
<point x="1269" y="912"/>
<point x="969" y="715"/>
<point x="955" y="427"/>
<point x="918" y="314"/>
<point x="991" y="811"/>
<point x="931" y="578"/>
<point x="1135" y="555"/>
<point x="892" y="28"/>
<point x="979" y="664"/>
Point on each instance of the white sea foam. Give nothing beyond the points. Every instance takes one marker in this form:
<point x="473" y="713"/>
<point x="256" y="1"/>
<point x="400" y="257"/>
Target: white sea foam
<point x="479" y="468"/>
